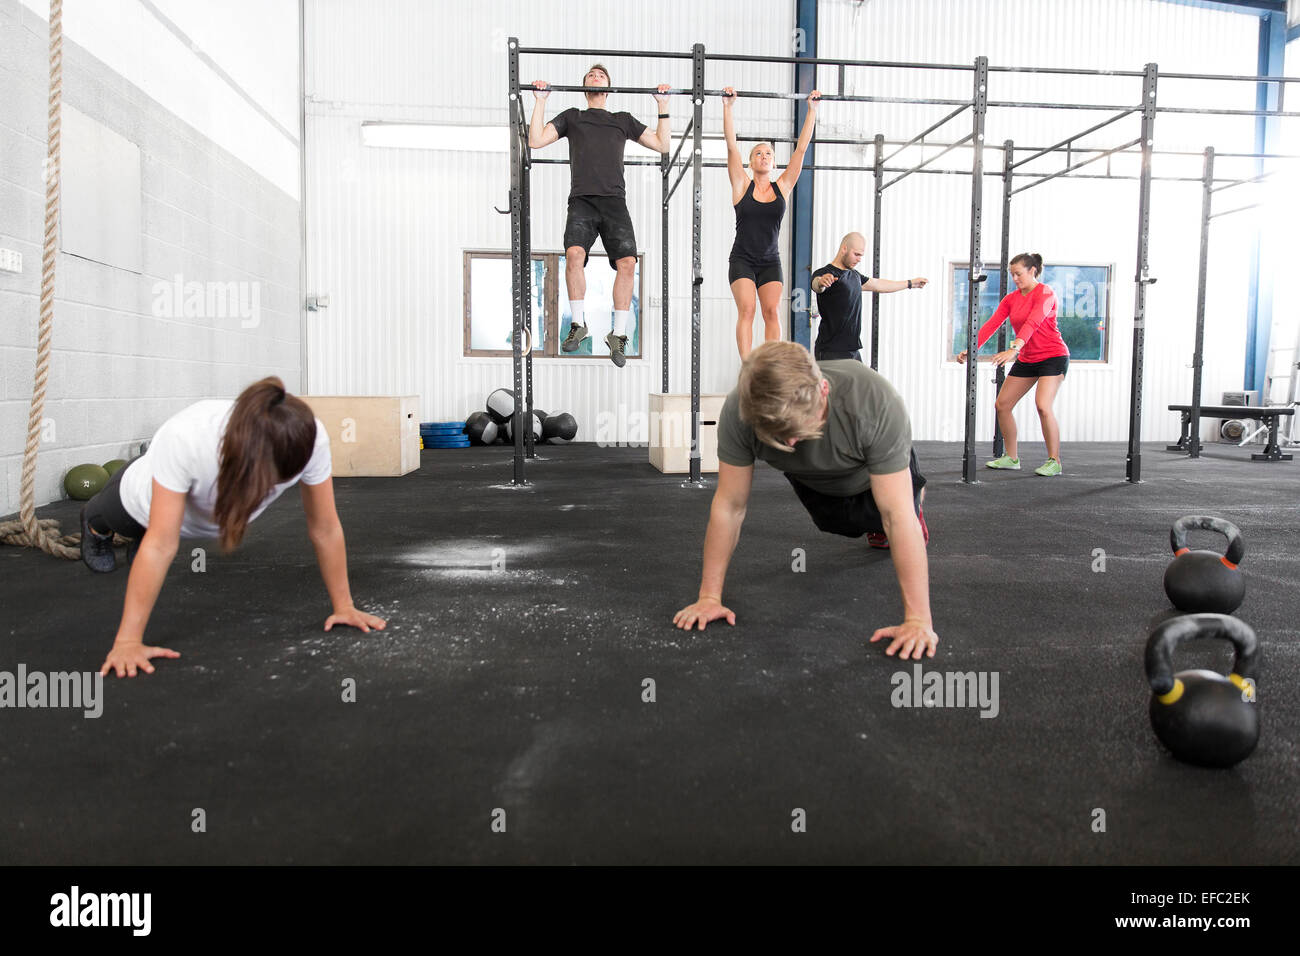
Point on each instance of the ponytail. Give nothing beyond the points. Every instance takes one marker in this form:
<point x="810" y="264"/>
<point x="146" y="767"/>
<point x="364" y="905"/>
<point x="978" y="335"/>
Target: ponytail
<point x="269" y="438"/>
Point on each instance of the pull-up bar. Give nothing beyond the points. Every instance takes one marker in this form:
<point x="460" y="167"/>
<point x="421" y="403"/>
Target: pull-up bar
<point x="828" y="168"/>
<point x="1205" y="111"/>
<point x="625" y="54"/>
<point x="893" y="64"/>
<point x="1090" y="107"/>
<point x="842" y="98"/>
<point x="1244" y="79"/>
<point x="826" y="61"/>
<point x="608" y="89"/>
<point x="1064" y="70"/>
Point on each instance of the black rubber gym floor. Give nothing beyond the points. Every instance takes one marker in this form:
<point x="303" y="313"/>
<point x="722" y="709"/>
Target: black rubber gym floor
<point x="523" y="622"/>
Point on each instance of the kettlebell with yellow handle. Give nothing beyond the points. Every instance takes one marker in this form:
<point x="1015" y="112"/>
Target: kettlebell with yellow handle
<point x="1204" y="717"/>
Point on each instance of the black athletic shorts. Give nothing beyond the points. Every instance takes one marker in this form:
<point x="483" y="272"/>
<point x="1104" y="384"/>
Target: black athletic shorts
<point x="604" y="216"/>
<point x="758" y="273"/>
<point x="856" y="355"/>
<point x="1056" y="365"/>
<point x="855" y="515"/>
<point x="106" y="513"/>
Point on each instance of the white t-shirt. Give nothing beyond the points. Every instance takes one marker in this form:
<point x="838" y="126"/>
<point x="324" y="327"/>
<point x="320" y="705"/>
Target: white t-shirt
<point x="183" y="456"/>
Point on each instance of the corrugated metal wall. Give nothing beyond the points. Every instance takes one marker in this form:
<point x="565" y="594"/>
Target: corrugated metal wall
<point x="926" y="218"/>
<point x="387" y="228"/>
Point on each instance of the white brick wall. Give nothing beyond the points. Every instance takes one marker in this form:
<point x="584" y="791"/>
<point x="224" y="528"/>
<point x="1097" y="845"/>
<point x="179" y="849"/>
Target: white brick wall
<point x="117" y="370"/>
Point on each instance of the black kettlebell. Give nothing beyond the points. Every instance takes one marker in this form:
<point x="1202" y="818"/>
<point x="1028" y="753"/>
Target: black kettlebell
<point x="1201" y="716"/>
<point x="1205" y="581"/>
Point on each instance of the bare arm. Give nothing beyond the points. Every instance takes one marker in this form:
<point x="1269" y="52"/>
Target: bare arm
<point x="735" y="165"/>
<point x="893" y="494"/>
<point x="541" y="133"/>
<point x="790" y="175"/>
<point x="893" y="285"/>
<point x="988" y="328"/>
<point x="144" y="583"/>
<point x="662" y="137"/>
<point x="726" y="515"/>
<point x="326" y="534"/>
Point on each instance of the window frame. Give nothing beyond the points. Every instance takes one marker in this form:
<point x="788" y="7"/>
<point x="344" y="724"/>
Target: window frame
<point x="554" y="262"/>
<point x="950" y="318"/>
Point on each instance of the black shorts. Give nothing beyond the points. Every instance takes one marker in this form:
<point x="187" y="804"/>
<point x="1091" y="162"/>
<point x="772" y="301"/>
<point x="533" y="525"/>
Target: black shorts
<point x="106" y="512"/>
<point x="604" y="216"/>
<point x="831" y="356"/>
<point x="1056" y="365"/>
<point x="855" y="515"/>
<point x="760" y="273"/>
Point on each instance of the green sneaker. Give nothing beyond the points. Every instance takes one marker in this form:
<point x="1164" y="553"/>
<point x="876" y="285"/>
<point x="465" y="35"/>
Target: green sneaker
<point x="1006" y="461"/>
<point x="576" y="334"/>
<point x="1049" y="468"/>
<point x="617" y="344"/>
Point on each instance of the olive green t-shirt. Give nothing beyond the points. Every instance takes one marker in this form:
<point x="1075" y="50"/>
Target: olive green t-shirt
<point x="866" y="432"/>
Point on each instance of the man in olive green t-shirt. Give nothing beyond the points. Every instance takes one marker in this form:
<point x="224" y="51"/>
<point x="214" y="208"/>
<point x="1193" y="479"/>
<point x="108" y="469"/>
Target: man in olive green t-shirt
<point x="841" y="435"/>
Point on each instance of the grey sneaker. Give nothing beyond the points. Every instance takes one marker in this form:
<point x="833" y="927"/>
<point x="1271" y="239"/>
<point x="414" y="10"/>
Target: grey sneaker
<point x="576" y="334"/>
<point x="96" y="549"/>
<point x="617" y="343"/>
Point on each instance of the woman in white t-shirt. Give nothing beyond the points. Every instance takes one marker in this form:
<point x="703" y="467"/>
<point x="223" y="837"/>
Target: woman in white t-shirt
<point x="210" y="470"/>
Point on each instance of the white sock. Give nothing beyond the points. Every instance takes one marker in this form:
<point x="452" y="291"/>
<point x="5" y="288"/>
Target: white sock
<point x="576" y="309"/>
<point x="621" y="320"/>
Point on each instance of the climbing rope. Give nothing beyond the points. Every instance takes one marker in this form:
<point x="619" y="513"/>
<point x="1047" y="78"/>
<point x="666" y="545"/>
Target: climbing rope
<point x="28" y="531"/>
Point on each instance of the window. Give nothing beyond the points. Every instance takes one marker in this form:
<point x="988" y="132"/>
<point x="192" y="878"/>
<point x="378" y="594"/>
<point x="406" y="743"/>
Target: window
<point x="1082" y="308"/>
<point x="489" y="306"/>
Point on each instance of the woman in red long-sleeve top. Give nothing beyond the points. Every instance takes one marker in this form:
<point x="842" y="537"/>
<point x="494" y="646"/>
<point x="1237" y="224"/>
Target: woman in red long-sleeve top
<point x="1040" y="356"/>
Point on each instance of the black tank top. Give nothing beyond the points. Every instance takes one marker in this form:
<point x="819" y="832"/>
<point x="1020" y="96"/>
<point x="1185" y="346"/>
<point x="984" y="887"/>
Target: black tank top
<point x="758" y="227"/>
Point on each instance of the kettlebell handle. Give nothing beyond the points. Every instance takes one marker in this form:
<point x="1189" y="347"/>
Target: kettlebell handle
<point x="1165" y="639"/>
<point x="1236" y="544"/>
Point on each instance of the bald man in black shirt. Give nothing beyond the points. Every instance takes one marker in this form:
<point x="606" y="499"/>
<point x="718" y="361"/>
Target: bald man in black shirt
<point x="839" y="287"/>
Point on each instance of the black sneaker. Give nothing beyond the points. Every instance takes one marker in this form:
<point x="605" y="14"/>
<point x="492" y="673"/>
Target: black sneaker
<point x="96" y="549"/>
<point x="617" y="343"/>
<point x="576" y="334"/>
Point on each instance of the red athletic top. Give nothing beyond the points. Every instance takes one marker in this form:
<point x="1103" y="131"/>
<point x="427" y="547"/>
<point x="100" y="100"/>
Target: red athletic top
<point x="1033" y="318"/>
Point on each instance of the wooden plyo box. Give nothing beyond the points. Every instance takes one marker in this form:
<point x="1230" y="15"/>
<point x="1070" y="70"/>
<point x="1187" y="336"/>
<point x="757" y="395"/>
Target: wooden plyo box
<point x="374" y="436"/>
<point x="670" y="432"/>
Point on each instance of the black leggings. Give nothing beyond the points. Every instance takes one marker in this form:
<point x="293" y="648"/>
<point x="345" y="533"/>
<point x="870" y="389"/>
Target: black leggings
<point x="106" y="513"/>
